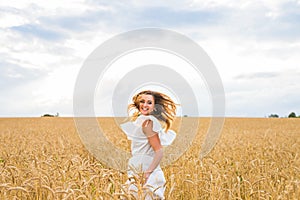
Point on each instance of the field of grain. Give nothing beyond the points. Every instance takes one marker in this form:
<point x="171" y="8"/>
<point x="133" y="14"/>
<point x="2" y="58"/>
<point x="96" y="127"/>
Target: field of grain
<point x="255" y="158"/>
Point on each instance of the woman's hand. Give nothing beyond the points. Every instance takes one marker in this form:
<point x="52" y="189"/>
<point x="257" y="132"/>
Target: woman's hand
<point x="146" y="175"/>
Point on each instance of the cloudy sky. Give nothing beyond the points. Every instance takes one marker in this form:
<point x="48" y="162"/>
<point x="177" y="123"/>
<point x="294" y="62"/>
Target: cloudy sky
<point x="254" y="44"/>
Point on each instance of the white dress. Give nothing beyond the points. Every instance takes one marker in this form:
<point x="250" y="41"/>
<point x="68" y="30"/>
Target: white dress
<point x="143" y="153"/>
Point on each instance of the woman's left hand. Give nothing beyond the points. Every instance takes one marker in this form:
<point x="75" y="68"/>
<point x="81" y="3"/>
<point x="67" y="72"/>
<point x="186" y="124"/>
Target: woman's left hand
<point x="146" y="175"/>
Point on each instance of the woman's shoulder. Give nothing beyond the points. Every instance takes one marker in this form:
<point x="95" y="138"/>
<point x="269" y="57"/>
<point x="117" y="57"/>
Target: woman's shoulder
<point x="142" y="118"/>
<point x="156" y="124"/>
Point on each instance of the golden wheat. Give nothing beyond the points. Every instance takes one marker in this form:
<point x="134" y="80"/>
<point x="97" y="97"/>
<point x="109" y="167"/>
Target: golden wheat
<point x="43" y="158"/>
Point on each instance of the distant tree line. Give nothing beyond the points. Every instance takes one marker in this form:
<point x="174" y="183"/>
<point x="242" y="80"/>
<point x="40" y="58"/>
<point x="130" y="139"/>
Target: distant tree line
<point x="291" y="115"/>
<point x="49" y="115"/>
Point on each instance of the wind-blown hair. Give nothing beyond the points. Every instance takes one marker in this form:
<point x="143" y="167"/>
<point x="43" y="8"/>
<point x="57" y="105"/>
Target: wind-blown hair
<point x="164" y="109"/>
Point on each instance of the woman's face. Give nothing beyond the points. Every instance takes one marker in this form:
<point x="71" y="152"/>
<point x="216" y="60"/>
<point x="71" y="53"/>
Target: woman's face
<point x="146" y="104"/>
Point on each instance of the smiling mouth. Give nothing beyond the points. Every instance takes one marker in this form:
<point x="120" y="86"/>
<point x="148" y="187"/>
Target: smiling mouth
<point x="145" y="109"/>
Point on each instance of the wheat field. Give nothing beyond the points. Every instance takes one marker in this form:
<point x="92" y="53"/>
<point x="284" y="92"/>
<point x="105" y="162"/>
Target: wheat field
<point x="255" y="158"/>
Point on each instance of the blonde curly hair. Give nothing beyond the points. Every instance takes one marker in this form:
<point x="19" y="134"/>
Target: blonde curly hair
<point x="164" y="110"/>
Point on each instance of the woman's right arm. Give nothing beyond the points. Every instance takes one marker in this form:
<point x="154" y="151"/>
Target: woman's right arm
<point x="154" y="142"/>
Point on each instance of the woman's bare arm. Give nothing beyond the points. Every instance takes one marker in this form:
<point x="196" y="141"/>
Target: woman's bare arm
<point x="154" y="142"/>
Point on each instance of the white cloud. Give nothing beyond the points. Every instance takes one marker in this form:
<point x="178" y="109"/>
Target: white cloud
<point x="43" y="45"/>
<point x="9" y="19"/>
<point x="272" y="92"/>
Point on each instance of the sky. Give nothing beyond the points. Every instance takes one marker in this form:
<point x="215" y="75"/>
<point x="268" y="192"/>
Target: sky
<point x="254" y="44"/>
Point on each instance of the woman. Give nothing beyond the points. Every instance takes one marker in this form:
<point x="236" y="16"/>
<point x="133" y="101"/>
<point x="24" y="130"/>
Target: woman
<point x="148" y="130"/>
